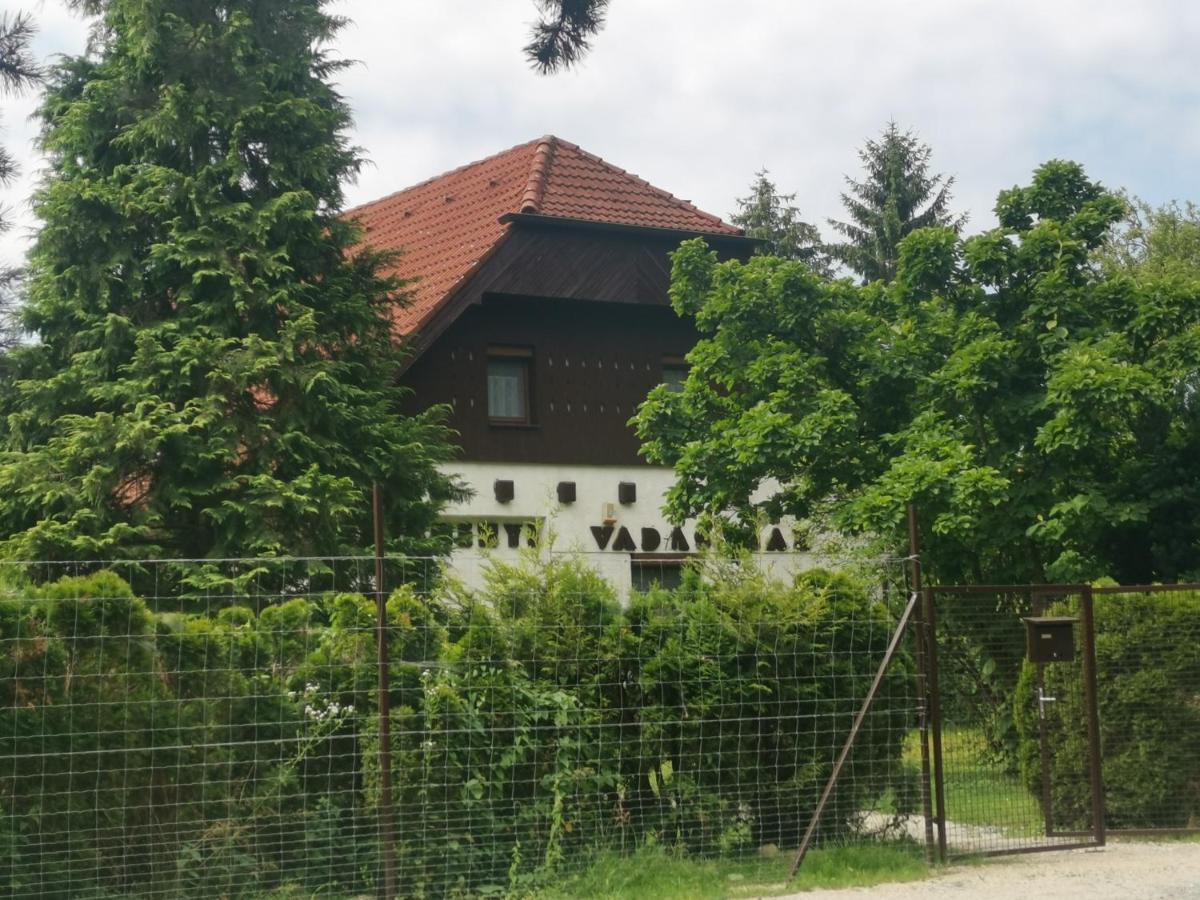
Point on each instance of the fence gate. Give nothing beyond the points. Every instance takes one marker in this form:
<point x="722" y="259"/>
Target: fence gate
<point x="1014" y="728"/>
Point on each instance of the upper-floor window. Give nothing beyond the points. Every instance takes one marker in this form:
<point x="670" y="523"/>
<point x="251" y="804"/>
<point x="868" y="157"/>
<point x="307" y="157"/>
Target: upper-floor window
<point x="508" y="385"/>
<point x="674" y="372"/>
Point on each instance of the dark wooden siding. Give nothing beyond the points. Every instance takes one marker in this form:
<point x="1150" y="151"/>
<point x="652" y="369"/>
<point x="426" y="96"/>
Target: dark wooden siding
<point x="582" y="265"/>
<point x="593" y="363"/>
<point x="603" y="265"/>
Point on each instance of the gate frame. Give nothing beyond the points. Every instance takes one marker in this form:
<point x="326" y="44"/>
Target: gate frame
<point x="920" y="614"/>
<point x="1168" y="588"/>
<point x="1095" y="763"/>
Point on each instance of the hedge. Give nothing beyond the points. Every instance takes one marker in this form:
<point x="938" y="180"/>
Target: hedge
<point x="532" y="722"/>
<point x="1148" y="667"/>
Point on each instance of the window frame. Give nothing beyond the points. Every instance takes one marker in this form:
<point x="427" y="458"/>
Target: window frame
<point x="678" y="363"/>
<point x="510" y="354"/>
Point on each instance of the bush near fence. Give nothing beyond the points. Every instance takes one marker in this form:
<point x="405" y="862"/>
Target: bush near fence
<point x="1148" y="667"/>
<point x="158" y="753"/>
<point x="234" y="754"/>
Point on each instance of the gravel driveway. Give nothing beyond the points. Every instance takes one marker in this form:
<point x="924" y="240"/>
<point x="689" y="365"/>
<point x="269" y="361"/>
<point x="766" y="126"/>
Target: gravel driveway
<point x="1117" y="872"/>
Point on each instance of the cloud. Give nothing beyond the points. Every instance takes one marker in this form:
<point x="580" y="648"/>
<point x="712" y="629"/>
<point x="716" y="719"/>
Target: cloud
<point x="696" y="95"/>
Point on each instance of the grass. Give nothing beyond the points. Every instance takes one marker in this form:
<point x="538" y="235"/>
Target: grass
<point x="978" y="789"/>
<point x="654" y="873"/>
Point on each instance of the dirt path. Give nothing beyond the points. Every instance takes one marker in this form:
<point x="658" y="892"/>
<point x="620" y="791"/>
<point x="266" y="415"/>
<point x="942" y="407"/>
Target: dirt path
<point x="1167" y="871"/>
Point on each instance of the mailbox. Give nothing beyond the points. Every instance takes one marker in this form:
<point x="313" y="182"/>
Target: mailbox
<point x="1050" y="638"/>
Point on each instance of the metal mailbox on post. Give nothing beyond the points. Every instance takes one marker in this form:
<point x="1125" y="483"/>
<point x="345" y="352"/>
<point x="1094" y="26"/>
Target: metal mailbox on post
<point x="1050" y="638"/>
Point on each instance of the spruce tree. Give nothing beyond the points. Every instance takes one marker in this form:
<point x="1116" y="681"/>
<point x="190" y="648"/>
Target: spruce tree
<point x="773" y="218"/>
<point x="215" y="367"/>
<point x="898" y="195"/>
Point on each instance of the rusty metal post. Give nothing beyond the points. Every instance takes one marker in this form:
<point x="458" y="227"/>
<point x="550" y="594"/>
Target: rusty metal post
<point x="386" y="816"/>
<point x="1047" y="761"/>
<point x="868" y="702"/>
<point x="935" y="719"/>
<point x="914" y="551"/>
<point x="1036" y="601"/>
<point x="1087" y="621"/>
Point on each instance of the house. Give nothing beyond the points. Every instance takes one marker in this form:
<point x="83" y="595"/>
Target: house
<point x="540" y="314"/>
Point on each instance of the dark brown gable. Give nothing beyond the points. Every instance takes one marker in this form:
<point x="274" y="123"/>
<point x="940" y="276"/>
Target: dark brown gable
<point x="609" y="268"/>
<point x="577" y="323"/>
<point x="574" y="261"/>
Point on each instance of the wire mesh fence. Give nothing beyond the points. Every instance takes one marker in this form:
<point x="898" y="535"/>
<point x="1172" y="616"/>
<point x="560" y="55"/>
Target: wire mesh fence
<point x="1148" y="670"/>
<point x="212" y="729"/>
<point x="1037" y="751"/>
<point x="178" y="729"/>
<point x="1000" y="728"/>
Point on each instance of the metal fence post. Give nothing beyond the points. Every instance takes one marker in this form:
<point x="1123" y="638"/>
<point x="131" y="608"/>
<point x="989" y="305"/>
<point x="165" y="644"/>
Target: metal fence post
<point x="935" y="714"/>
<point x="1090" y="691"/>
<point x="922" y="682"/>
<point x="386" y="818"/>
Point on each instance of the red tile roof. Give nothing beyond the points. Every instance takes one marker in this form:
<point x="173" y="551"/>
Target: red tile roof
<point x="446" y="226"/>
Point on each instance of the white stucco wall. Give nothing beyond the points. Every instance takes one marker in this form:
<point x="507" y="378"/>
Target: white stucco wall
<point x="567" y="527"/>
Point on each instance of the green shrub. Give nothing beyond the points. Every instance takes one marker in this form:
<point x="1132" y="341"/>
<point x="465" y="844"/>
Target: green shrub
<point x="534" y="721"/>
<point x="705" y="719"/>
<point x="150" y="751"/>
<point x="1149" y="701"/>
<point x="981" y="651"/>
<point x="81" y="651"/>
<point x="749" y="650"/>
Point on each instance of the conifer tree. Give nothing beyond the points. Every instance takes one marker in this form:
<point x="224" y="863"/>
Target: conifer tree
<point x="773" y="218"/>
<point x="215" y="367"/>
<point x="898" y="195"/>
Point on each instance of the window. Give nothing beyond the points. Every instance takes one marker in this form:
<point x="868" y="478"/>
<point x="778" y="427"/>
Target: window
<point x="646" y="574"/>
<point x="508" y="386"/>
<point x="674" y="373"/>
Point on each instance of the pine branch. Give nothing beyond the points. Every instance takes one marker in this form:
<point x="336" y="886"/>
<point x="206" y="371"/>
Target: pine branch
<point x="563" y="35"/>
<point x="10" y="308"/>
<point x="8" y="171"/>
<point x="18" y="70"/>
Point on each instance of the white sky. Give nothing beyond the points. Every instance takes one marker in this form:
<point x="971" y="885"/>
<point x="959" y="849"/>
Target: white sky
<point x="696" y="95"/>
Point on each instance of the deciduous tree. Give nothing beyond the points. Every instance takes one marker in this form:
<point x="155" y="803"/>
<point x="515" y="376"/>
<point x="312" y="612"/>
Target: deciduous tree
<point x="1154" y="241"/>
<point x="1043" y="414"/>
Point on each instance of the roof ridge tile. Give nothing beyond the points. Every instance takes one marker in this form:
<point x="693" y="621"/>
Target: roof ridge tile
<point x="535" y="189"/>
